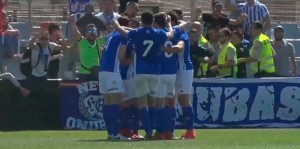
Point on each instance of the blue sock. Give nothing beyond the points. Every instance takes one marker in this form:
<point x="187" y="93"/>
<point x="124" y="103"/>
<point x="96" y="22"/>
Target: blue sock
<point x="188" y="113"/>
<point x="162" y="120"/>
<point x="135" y="119"/>
<point x="165" y="119"/>
<point x="144" y="116"/>
<point x="172" y="119"/>
<point x="152" y="115"/>
<point x="106" y="116"/>
<point x="114" y="117"/>
<point x="125" y="118"/>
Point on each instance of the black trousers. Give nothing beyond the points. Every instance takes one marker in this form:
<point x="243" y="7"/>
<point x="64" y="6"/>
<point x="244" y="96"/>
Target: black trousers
<point x="265" y="74"/>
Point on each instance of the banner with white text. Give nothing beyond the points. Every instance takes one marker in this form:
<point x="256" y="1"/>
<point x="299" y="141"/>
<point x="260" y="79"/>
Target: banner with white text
<point x="218" y="103"/>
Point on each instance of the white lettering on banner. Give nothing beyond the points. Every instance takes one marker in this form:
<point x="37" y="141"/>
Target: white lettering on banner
<point x="263" y="105"/>
<point x="290" y="98"/>
<point x="203" y="95"/>
<point x="87" y="86"/>
<point x="236" y="108"/>
<point x="74" y="123"/>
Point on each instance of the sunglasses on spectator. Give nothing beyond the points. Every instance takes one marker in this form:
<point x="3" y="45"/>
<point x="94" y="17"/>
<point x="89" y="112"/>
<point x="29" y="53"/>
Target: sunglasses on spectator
<point x="92" y="31"/>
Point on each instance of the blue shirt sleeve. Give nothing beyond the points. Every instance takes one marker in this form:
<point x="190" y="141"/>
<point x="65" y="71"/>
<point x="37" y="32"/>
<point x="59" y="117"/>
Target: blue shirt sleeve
<point x="132" y="34"/>
<point x="163" y="37"/>
<point x="184" y="36"/>
<point x="124" y="41"/>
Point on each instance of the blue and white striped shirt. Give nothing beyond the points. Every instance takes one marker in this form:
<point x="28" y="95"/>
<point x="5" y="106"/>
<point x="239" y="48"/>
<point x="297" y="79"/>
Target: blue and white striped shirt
<point x="257" y="12"/>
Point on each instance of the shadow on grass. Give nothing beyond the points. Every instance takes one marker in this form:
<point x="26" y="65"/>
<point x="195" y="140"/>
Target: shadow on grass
<point x="105" y="140"/>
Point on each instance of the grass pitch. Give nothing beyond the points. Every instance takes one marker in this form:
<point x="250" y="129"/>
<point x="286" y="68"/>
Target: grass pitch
<point x="206" y="139"/>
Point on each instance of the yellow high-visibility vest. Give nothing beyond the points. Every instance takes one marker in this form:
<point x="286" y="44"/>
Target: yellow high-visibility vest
<point x="222" y="58"/>
<point x="266" y="61"/>
<point x="203" y="66"/>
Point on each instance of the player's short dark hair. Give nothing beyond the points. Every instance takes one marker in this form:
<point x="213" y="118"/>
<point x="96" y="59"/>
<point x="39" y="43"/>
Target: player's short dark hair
<point x="226" y="32"/>
<point x="237" y="33"/>
<point x="160" y="19"/>
<point x="178" y="12"/>
<point x="135" y="21"/>
<point x="53" y="27"/>
<point x="147" y="18"/>
<point x="174" y="16"/>
<point x="258" y="25"/>
<point x="123" y="20"/>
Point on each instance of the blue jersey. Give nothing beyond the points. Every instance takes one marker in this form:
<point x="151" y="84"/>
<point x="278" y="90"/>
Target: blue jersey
<point x="110" y="61"/>
<point x="169" y="61"/>
<point x="185" y="62"/>
<point x="148" y="43"/>
<point x="127" y="70"/>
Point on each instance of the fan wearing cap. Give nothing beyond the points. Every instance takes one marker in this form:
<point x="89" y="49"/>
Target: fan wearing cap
<point x="261" y="53"/>
<point x="285" y="63"/>
<point x="89" y="50"/>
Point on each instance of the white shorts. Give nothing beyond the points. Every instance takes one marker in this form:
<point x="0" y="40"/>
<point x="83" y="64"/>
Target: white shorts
<point x="184" y="82"/>
<point x="129" y="93"/>
<point x="146" y="85"/>
<point x="166" y="86"/>
<point x="110" y="82"/>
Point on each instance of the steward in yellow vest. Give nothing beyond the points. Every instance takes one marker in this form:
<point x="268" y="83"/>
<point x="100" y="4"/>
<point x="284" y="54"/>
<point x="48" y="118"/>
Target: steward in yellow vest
<point x="261" y="54"/>
<point x="227" y="59"/>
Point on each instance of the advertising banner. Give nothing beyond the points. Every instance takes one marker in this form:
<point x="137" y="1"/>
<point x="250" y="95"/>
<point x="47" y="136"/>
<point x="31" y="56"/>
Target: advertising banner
<point x="218" y="103"/>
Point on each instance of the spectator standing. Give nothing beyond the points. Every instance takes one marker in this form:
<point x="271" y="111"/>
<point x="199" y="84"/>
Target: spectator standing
<point x="59" y="67"/>
<point x="256" y="11"/>
<point x="234" y="7"/>
<point x="89" y="50"/>
<point x="261" y="53"/>
<point x="202" y="40"/>
<point x="217" y="18"/>
<point x="213" y="34"/>
<point x="123" y="4"/>
<point x="88" y="18"/>
<point x="243" y="50"/>
<point x="199" y="55"/>
<point x="132" y="9"/>
<point x="41" y="49"/>
<point x="108" y="14"/>
<point x="226" y="67"/>
<point x="285" y="54"/>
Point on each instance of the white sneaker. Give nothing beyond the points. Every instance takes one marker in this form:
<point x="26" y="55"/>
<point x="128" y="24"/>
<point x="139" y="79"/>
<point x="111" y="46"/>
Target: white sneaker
<point x="119" y="137"/>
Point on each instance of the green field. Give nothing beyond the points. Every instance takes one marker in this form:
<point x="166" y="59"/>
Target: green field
<point x="207" y="139"/>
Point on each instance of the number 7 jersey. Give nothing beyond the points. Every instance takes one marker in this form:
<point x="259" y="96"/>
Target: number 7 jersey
<point x="148" y="43"/>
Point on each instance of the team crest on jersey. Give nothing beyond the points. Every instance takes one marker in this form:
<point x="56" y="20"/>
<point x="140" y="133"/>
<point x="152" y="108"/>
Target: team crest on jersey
<point x="90" y="106"/>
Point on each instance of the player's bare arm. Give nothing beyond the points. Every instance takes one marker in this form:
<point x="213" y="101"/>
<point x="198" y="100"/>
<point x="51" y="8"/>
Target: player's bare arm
<point x="176" y="48"/>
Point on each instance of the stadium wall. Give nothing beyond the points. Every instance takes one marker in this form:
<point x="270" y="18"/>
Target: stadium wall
<point x="218" y="103"/>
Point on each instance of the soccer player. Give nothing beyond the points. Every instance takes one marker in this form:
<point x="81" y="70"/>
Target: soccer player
<point x="111" y="85"/>
<point x="129" y="112"/>
<point x="168" y="69"/>
<point x="184" y="80"/>
<point x="148" y="43"/>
